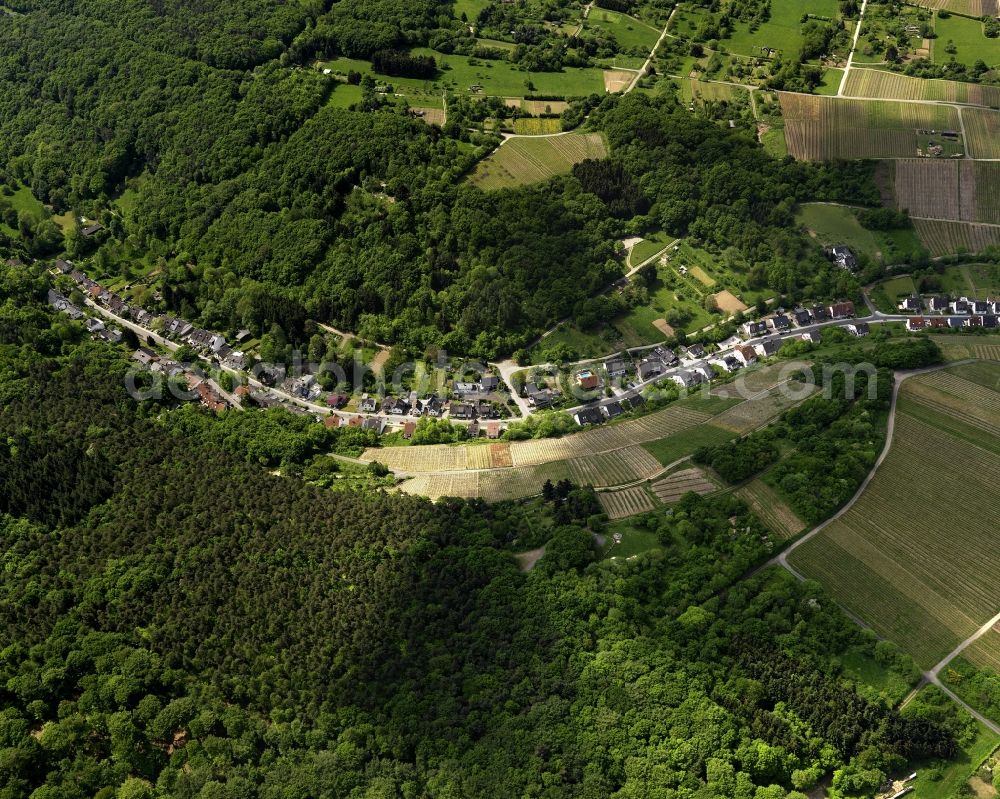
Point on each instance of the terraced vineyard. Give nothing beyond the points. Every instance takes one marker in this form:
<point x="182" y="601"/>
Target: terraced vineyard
<point x="961" y="191"/>
<point x="617" y="467"/>
<point x="947" y="238"/>
<point x="770" y="507"/>
<point x="606" y="456"/>
<point x="626" y="502"/>
<point x="916" y="556"/>
<point x="823" y="128"/>
<point x="674" y="486"/>
<point x="522" y="161"/>
<point x="982" y="132"/>
<point x="957" y="348"/>
<point x="968" y="8"/>
<point x="985" y="652"/>
<point x="880" y="84"/>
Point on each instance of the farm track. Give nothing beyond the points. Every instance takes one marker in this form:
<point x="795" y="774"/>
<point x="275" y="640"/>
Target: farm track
<point x="931" y="675"/>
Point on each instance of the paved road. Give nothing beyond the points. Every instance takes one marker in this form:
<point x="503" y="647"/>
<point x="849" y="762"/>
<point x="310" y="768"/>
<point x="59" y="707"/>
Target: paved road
<point x="854" y="46"/>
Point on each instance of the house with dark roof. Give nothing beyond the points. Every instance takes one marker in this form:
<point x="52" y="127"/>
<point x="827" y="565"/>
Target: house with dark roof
<point x="780" y="322"/>
<point x="684" y="379"/>
<point x="613" y="409"/>
<point x="910" y="304"/>
<point x="376" y="423"/>
<point x="396" y="407"/>
<point x="337" y="400"/>
<point x="960" y="306"/>
<point x="145" y="356"/>
<point x="431" y="406"/>
<point x="841" y="310"/>
<point x="767" y="347"/>
<point x="616" y="367"/>
<point x="665" y="354"/>
<point x="368" y="404"/>
<point x="695" y="351"/>
<point x="956" y="322"/>
<point x="462" y="410"/>
<point x="589" y="415"/>
<point x="858" y="329"/>
<point x="64" y="266"/>
<point x="489" y="382"/>
<point x="990" y="321"/>
<point x="843" y="257"/>
<point x="754" y="329"/>
<point x="540" y="399"/>
<point x="91" y="229"/>
<point x="938" y="304"/>
<point x="819" y="313"/>
<point x="801" y="317"/>
<point x="650" y="368"/>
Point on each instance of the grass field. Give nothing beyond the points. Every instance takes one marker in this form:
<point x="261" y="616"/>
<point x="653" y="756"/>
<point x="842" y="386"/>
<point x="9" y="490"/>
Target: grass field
<point x="631" y="34"/>
<point x="959" y="191"/>
<point x="692" y="89"/>
<point x="822" y="128"/>
<point x="836" y="224"/>
<point x="782" y="31"/>
<point x="680" y="445"/>
<point x="967" y="38"/>
<point x="458" y="73"/>
<point x="915" y="557"/>
<point x="884" y="85"/>
<point x="648" y="247"/>
<point x="522" y="161"/>
<point x="772" y="509"/>
<point x="946" y="238"/>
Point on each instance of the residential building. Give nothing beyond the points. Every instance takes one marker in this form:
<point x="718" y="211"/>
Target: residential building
<point x="841" y="310"/>
<point x="588" y="379"/>
<point x="746" y="354"/>
<point x="768" y="347"/>
<point x="843" y="257"/>
<point x="754" y="329"/>
<point x="780" y="323"/>
<point x="589" y="415"/>
<point x="911" y="304"/>
<point x="858" y="329"/>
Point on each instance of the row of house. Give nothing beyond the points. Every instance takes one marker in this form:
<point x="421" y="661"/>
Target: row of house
<point x="598" y="414"/>
<point x="986" y="321"/>
<point x="944" y="305"/>
<point x="801" y="317"/>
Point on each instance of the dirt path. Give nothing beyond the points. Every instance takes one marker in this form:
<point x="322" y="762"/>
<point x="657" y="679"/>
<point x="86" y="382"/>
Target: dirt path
<point x="900" y="378"/>
<point x="652" y="53"/>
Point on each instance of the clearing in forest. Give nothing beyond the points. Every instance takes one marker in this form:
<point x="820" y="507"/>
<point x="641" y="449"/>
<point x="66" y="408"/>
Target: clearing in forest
<point x="916" y="556"/>
<point x="521" y="161"/>
<point x="771" y="508"/>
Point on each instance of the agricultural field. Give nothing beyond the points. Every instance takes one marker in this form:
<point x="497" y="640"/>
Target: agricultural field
<point x="982" y="131"/>
<point x="880" y="84"/>
<point x="672" y="448"/>
<point x="537" y="126"/>
<point x="692" y="89"/>
<point x="626" y="502"/>
<point x="613" y="455"/>
<point x="671" y="488"/>
<point x="959" y="348"/>
<point x="753" y="413"/>
<point x="519" y="162"/>
<point x="985" y="652"/>
<point x="837" y="224"/>
<point x="821" y="128"/>
<point x="962" y="39"/>
<point x="970" y="8"/>
<point x="618" y="467"/>
<point x="915" y="557"/>
<point x="959" y="191"/>
<point x="772" y="509"/>
<point x="946" y="238"/>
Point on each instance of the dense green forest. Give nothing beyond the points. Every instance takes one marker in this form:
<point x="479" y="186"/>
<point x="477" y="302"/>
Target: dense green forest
<point x="256" y="200"/>
<point x="179" y="621"/>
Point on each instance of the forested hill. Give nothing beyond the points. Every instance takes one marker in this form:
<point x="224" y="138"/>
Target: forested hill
<point x="268" y="202"/>
<point x="177" y="622"/>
